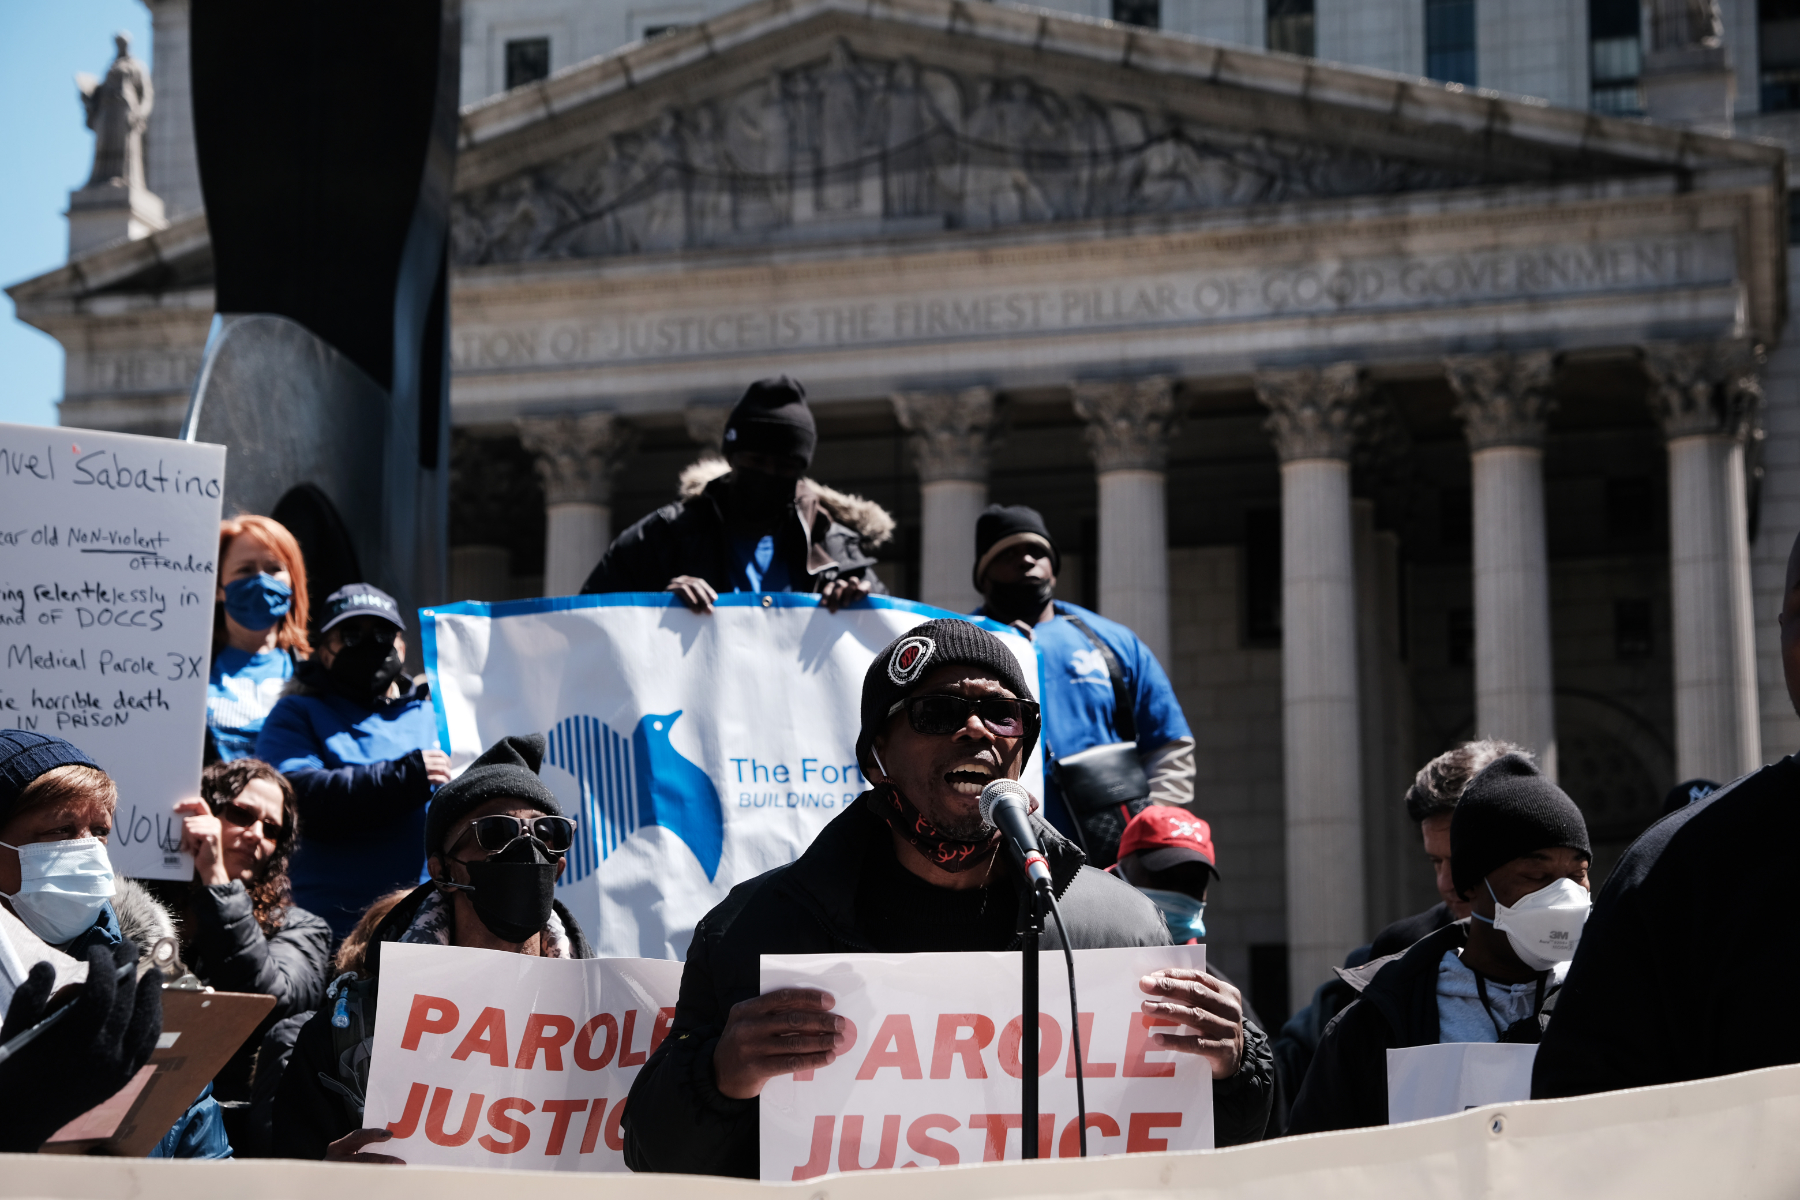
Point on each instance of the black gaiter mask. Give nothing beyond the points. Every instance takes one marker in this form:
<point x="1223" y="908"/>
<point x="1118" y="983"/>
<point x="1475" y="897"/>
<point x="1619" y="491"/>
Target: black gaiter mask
<point x="1021" y="601"/>
<point x="513" y="891"/>
<point x="761" y="499"/>
<point x="364" y="671"/>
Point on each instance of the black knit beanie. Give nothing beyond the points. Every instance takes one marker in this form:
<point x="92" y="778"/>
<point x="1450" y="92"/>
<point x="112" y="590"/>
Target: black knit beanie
<point x="1001" y="526"/>
<point x="1509" y="810"/>
<point x="25" y="755"/>
<point x="509" y="768"/>
<point x="772" y="418"/>
<point x="896" y="672"/>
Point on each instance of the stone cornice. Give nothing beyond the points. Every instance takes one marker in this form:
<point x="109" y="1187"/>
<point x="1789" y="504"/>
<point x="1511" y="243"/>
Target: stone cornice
<point x="1322" y="87"/>
<point x="1314" y="412"/>
<point x="1704" y="387"/>
<point x="1502" y="399"/>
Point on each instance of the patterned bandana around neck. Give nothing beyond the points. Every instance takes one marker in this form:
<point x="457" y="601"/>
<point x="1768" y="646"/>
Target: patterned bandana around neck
<point x="954" y="855"/>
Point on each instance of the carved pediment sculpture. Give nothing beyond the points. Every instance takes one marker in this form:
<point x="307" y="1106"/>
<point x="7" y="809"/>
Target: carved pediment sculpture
<point x="872" y="146"/>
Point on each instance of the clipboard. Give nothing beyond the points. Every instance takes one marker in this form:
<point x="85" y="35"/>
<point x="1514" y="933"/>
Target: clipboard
<point x="201" y="1031"/>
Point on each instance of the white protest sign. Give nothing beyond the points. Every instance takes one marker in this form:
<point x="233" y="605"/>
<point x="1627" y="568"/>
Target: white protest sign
<point x="932" y="1075"/>
<point x="488" y="1059"/>
<point x="695" y="752"/>
<point x="108" y="544"/>
<point x="1435" y="1081"/>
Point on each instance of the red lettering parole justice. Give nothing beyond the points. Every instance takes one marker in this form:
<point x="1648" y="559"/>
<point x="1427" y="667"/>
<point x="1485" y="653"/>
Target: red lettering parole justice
<point x="503" y="1119"/>
<point x="850" y="1151"/>
<point x="545" y="1037"/>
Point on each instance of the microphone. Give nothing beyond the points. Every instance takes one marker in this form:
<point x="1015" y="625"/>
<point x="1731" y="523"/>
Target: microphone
<point x="1006" y="804"/>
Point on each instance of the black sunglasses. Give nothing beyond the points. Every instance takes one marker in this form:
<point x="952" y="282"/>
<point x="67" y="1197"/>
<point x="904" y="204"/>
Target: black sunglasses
<point x="939" y="715"/>
<point x="495" y="834"/>
<point x="243" y="816"/>
<point x="380" y="634"/>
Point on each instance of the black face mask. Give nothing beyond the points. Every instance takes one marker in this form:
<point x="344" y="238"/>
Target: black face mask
<point x="364" y="671"/>
<point x="761" y="498"/>
<point x="514" y="890"/>
<point x="1021" y="601"/>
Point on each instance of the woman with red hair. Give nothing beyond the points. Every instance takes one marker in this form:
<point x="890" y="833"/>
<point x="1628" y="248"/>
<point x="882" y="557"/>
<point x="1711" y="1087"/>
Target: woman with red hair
<point x="259" y="633"/>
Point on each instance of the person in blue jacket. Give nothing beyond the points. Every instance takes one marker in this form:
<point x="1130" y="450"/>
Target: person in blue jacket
<point x="357" y="739"/>
<point x="1089" y="664"/>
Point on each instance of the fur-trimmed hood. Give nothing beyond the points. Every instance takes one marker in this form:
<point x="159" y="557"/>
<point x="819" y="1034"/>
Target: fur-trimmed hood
<point x="142" y="917"/>
<point x="873" y="523"/>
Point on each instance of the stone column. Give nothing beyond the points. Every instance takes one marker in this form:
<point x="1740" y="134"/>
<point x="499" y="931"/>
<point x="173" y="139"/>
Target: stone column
<point x="1129" y="424"/>
<point x="576" y="458"/>
<point x="1312" y="418"/>
<point x="1502" y="400"/>
<point x="1706" y="396"/>
<point x="952" y="435"/>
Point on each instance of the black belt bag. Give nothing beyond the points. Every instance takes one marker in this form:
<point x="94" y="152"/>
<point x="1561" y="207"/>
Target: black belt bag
<point x="1102" y="778"/>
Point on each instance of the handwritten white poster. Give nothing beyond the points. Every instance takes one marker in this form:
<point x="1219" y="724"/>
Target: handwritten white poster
<point x="107" y="579"/>
<point x="1435" y="1081"/>
<point x="487" y="1059"/>
<point x="931" y="1077"/>
<point x="695" y="751"/>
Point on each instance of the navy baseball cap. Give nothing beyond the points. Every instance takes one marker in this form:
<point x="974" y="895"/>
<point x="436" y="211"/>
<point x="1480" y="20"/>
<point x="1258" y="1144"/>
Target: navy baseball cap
<point x="361" y="600"/>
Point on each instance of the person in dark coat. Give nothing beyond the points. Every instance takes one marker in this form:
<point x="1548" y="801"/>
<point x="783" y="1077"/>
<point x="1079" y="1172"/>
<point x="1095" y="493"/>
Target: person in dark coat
<point x="760" y="527"/>
<point x="1519" y="853"/>
<point x="1429" y="802"/>
<point x="495" y="841"/>
<point x="1711" y="879"/>
<point x="240" y="931"/>
<point x="904" y="868"/>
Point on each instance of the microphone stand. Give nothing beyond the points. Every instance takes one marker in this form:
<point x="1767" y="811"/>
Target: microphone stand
<point x="1028" y="1026"/>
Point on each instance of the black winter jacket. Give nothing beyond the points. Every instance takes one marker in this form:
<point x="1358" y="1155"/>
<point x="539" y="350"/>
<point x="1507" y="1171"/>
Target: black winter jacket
<point x="677" y="1120"/>
<point x="1346" y="1086"/>
<point x="320" y="1096"/>
<point x="226" y="949"/>
<point x="1713" y="879"/>
<point x="688" y="537"/>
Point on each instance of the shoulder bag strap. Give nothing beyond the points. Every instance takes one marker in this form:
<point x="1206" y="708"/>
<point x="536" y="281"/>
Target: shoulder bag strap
<point x="1124" y="704"/>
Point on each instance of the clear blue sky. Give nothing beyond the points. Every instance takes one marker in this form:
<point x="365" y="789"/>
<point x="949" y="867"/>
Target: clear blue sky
<point x="47" y="150"/>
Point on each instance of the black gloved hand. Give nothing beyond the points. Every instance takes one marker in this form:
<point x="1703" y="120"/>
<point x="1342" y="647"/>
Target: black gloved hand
<point x="86" y="1057"/>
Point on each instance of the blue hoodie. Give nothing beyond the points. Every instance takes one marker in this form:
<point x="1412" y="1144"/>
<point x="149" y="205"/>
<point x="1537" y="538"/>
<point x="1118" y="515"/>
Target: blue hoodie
<point x="360" y="787"/>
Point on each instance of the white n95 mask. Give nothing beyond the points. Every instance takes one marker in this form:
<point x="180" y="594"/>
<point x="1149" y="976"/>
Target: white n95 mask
<point x="62" y="887"/>
<point x="1545" y="926"/>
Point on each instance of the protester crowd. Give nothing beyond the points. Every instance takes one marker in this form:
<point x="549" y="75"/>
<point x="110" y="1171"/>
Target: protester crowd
<point x="328" y="825"/>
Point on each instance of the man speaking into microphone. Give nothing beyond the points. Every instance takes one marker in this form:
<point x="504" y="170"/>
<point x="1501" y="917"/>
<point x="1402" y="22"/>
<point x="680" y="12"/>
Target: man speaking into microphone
<point x="909" y="866"/>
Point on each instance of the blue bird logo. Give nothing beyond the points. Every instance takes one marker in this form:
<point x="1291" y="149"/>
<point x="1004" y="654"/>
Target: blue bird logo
<point x="629" y="783"/>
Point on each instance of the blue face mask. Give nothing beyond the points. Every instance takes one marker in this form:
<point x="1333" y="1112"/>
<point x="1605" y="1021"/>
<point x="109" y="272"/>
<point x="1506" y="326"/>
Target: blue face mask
<point x="1184" y="915"/>
<point x="258" y="602"/>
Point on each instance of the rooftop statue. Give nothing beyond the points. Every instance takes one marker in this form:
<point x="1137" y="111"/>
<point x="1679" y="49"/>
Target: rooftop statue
<point x="118" y="110"/>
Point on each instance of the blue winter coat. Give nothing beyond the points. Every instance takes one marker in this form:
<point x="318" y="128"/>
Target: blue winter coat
<point x="359" y="784"/>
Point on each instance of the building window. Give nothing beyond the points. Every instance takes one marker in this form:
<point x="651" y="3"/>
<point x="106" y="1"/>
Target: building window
<point x="527" y="61"/>
<point x="1615" y="56"/>
<point x="1147" y="13"/>
<point x="1291" y="27"/>
<point x="1450" y="41"/>
<point x="1631" y="629"/>
<point x="1778" y="48"/>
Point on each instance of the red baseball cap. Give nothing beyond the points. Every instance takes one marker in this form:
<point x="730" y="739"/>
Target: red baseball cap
<point x="1167" y="836"/>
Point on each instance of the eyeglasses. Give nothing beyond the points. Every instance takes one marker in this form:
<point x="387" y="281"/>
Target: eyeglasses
<point x="940" y="715"/>
<point x="495" y="834"/>
<point x="355" y="634"/>
<point x="243" y="816"/>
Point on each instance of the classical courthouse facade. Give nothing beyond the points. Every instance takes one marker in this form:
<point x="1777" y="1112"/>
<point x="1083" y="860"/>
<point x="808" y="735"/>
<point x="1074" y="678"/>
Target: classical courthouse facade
<point x="1387" y="412"/>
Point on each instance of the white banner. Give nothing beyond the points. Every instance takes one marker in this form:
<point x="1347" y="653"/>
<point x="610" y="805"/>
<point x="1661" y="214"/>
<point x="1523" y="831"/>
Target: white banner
<point x="107" y="579"/>
<point x="1435" y="1081"/>
<point x="488" y="1059"/>
<point x="932" y="1075"/>
<point x="696" y="752"/>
